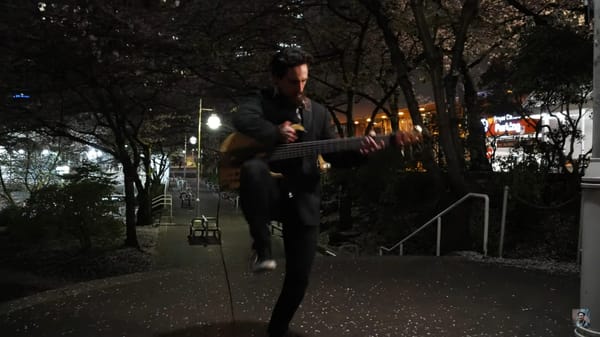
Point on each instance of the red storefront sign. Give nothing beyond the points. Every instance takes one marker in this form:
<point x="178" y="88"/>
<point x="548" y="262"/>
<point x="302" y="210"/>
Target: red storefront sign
<point x="508" y="125"/>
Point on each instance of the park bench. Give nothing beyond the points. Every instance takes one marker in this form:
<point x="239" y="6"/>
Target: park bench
<point x="206" y="228"/>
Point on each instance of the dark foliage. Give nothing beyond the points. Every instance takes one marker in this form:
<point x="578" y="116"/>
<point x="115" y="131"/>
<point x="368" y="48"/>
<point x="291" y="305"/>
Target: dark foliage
<point x="542" y="211"/>
<point x="81" y="210"/>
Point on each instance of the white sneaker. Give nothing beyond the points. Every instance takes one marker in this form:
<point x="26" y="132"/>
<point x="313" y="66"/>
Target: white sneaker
<point x="262" y="265"/>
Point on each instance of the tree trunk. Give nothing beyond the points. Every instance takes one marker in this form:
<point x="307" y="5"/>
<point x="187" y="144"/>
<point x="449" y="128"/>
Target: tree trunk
<point x="144" y="212"/>
<point x="6" y="191"/>
<point x="476" y="138"/>
<point x="444" y="91"/>
<point x="144" y="197"/>
<point x="401" y="67"/>
<point x="130" y="201"/>
<point x="454" y="157"/>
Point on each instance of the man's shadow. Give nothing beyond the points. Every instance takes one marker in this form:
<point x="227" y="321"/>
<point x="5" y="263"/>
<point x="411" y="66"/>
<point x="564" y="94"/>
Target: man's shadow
<point x="224" y="329"/>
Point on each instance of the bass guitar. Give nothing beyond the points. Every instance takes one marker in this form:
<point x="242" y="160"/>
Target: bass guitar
<point x="237" y="148"/>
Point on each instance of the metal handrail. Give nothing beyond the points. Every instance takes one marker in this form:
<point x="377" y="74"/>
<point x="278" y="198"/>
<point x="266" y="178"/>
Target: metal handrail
<point x="166" y="200"/>
<point x="438" y="217"/>
<point x="584" y="332"/>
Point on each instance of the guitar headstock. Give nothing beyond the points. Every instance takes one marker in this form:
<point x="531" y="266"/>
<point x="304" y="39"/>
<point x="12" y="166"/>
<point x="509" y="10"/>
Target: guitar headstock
<point x="409" y="142"/>
<point x="405" y="138"/>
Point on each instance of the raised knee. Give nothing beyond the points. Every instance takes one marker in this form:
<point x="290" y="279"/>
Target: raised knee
<point x="254" y="167"/>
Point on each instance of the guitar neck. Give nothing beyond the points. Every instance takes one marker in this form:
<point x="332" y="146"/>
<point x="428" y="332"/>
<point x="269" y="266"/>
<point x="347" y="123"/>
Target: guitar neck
<point x="301" y="149"/>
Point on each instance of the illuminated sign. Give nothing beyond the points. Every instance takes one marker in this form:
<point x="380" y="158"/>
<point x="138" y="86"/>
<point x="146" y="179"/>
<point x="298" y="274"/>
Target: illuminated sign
<point x="63" y="169"/>
<point x="21" y="96"/>
<point x="508" y="125"/>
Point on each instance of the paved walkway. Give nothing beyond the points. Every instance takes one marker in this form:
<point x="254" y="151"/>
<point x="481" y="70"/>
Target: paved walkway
<point x="200" y="290"/>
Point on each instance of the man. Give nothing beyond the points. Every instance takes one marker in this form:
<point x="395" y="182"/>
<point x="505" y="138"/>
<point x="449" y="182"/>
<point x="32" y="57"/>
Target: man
<point x="269" y="117"/>
<point x="582" y="320"/>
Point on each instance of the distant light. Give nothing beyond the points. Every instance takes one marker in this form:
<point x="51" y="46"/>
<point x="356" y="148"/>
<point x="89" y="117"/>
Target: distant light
<point x="63" y="169"/>
<point x="421" y="109"/>
<point x="21" y="96"/>
<point x="193" y="140"/>
<point x="93" y="154"/>
<point x="214" y="122"/>
<point x="45" y="152"/>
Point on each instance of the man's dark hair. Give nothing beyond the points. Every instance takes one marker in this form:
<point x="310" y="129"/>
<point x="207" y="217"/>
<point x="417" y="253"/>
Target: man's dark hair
<point x="288" y="58"/>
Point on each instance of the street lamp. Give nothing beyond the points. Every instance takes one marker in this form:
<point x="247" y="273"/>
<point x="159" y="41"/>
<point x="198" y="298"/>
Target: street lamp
<point x="590" y="187"/>
<point x="214" y="122"/>
<point x="184" y="157"/>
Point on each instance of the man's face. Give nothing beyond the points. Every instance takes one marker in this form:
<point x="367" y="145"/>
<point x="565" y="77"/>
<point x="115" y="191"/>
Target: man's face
<point x="291" y="85"/>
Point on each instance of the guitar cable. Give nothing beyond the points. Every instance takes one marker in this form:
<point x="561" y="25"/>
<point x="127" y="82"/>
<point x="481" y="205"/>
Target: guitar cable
<point x="230" y="292"/>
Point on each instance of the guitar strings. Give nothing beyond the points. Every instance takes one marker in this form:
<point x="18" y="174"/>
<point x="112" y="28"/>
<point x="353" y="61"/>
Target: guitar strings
<point x="294" y="150"/>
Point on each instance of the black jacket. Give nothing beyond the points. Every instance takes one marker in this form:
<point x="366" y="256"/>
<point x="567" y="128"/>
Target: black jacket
<point x="259" y="115"/>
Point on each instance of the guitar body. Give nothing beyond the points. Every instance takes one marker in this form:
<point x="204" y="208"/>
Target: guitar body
<point x="236" y="149"/>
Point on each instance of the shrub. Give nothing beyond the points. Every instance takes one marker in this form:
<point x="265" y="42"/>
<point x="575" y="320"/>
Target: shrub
<point x="80" y="210"/>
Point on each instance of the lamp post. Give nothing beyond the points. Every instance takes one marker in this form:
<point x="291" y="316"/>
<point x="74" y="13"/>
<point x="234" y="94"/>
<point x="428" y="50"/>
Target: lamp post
<point x="213" y="122"/>
<point x="185" y="157"/>
<point x="589" y="231"/>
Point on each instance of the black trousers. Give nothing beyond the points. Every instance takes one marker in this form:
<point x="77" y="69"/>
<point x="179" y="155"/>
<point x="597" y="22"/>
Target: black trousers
<point x="262" y="199"/>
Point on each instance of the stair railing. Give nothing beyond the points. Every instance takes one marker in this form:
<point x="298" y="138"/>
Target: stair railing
<point x="165" y="201"/>
<point x="438" y="218"/>
<point x="585" y="332"/>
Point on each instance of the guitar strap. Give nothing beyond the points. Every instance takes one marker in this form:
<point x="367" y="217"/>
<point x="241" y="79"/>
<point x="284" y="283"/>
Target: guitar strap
<point x="307" y="114"/>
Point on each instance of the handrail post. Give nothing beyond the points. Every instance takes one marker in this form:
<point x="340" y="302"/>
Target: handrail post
<point x="439" y="236"/>
<point x="486" y="224"/>
<point x="503" y="220"/>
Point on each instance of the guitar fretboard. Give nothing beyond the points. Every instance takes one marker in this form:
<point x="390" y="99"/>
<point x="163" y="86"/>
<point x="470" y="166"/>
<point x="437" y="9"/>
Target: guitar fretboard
<point x="301" y="149"/>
